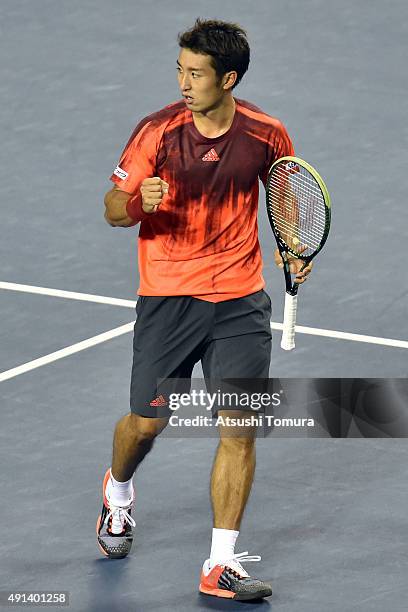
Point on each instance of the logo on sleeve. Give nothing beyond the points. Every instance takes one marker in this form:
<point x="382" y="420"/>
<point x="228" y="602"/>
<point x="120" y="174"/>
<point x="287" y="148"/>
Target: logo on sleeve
<point x="211" y="156"/>
<point x="120" y="173"/>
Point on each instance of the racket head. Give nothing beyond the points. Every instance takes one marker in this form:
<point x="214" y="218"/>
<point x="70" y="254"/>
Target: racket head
<point x="298" y="206"/>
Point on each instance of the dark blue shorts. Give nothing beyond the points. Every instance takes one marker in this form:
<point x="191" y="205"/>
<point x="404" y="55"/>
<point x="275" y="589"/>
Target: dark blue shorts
<point x="232" y="339"/>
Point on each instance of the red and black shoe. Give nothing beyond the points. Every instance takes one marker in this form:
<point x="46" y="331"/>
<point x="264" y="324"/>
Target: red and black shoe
<point x="229" y="580"/>
<point x="114" y="527"/>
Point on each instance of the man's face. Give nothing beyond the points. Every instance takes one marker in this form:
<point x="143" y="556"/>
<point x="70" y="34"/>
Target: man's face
<point x="198" y="81"/>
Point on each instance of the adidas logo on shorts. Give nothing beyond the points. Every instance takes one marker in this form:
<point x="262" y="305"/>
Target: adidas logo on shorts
<point x="159" y="401"/>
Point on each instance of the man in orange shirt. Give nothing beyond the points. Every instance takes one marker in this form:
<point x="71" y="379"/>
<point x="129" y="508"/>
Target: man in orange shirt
<point x="189" y="175"/>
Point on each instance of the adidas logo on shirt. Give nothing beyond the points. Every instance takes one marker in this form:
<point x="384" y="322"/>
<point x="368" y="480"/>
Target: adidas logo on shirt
<point x="211" y="156"/>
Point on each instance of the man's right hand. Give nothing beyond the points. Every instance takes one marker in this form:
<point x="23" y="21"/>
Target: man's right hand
<point x="152" y="191"/>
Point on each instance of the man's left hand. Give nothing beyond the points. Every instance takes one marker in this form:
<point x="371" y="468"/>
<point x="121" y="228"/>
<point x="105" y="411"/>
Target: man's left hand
<point x="294" y="266"/>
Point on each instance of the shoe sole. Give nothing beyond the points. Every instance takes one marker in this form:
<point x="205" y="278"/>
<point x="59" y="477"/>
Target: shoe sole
<point x="231" y="595"/>
<point x="98" y="523"/>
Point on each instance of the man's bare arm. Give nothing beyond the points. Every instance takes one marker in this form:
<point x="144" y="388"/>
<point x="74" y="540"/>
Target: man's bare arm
<point x="115" y="208"/>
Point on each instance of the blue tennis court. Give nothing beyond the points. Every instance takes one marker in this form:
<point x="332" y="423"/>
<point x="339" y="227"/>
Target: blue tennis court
<point x="327" y="516"/>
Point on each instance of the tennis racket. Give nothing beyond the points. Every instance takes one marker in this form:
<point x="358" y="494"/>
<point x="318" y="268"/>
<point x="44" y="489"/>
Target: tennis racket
<point x="298" y="206"/>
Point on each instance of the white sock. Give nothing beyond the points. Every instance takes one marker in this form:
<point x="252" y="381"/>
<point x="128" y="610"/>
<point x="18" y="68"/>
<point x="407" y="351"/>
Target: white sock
<point x="222" y="545"/>
<point x="119" y="493"/>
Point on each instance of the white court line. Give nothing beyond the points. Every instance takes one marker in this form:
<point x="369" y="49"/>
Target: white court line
<point x="69" y="295"/>
<point x="128" y="327"/>
<point x="100" y="299"/>
<point x="329" y="333"/>
<point x="69" y="350"/>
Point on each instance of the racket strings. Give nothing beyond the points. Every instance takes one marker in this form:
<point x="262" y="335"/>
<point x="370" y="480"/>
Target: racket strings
<point x="288" y="213"/>
<point x="298" y="208"/>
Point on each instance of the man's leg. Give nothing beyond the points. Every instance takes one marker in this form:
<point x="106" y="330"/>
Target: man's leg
<point x="233" y="472"/>
<point x="178" y="324"/>
<point x="231" y="480"/>
<point x="240" y="349"/>
<point x="168" y="333"/>
<point x="133" y="439"/>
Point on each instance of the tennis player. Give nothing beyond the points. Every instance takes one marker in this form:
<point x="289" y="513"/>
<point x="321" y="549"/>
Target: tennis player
<point x="189" y="175"/>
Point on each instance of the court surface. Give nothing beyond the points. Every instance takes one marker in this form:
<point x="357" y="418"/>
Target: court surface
<point x="327" y="516"/>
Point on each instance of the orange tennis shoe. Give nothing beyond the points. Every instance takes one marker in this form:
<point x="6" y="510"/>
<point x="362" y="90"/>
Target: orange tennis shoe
<point x="229" y="580"/>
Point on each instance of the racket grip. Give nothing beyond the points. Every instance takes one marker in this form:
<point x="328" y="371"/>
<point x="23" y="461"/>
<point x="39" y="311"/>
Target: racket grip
<point x="289" y="322"/>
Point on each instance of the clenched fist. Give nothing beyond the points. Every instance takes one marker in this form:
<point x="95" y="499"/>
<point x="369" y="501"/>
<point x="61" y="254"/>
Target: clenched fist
<point x="153" y="190"/>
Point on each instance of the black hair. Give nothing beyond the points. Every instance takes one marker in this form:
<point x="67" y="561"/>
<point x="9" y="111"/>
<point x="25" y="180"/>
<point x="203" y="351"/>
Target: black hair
<point x="225" y="42"/>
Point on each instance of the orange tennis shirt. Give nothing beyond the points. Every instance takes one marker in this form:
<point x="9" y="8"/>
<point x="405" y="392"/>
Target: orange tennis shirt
<point x="203" y="240"/>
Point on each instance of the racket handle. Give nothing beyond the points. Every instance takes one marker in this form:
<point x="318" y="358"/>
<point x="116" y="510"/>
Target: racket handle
<point x="289" y="322"/>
